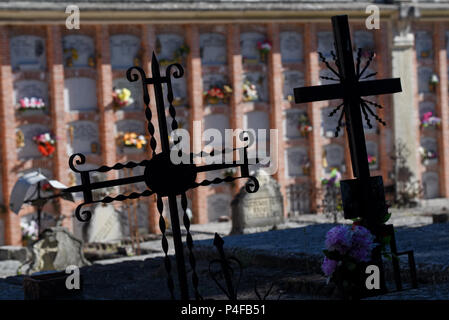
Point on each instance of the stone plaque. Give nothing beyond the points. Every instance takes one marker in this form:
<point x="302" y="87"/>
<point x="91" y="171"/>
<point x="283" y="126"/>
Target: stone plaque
<point x="56" y="250"/>
<point x="329" y="124"/>
<point x="218" y="122"/>
<point x="27" y="53"/>
<point x="291" y="123"/>
<point x="373" y="151"/>
<point x="136" y="92"/>
<point x="423" y="44"/>
<point x="105" y="225"/>
<point x="248" y="45"/>
<point x="431" y="185"/>
<point x="167" y="45"/>
<point x="218" y="205"/>
<point x="257" y="120"/>
<point x="258" y="211"/>
<point x="424" y="75"/>
<point x="30" y="149"/>
<point x="291" y="46"/>
<point x="292" y="79"/>
<point x="85" y="50"/>
<point x="326" y="43"/>
<point x="335" y="157"/>
<point x="259" y="80"/>
<point x="30" y="89"/>
<point x="365" y="41"/>
<point x="297" y="161"/>
<point x="80" y="94"/>
<point x="124" y="49"/>
<point x="213" y="48"/>
<point x="83" y="137"/>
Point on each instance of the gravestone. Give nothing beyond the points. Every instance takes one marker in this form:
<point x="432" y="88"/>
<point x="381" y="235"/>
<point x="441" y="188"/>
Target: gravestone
<point x="325" y="43"/>
<point x="30" y="149"/>
<point x="80" y="94"/>
<point x="291" y="123"/>
<point x="423" y="44"/>
<point x="168" y="44"/>
<point x="292" y="79"/>
<point x="248" y="45"/>
<point x="27" y="53"/>
<point x="83" y="137"/>
<point x="55" y="250"/>
<point x="84" y="46"/>
<point x="105" y="225"/>
<point x="335" y="157"/>
<point x="213" y="48"/>
<point x="258" y="211"/>
<point x="218" y="205"/>
<point x="124" y="48"/>
<point x="291" y="47"/>
<point x="297" y="158"/>
<point x="424" y="75"/>
<point x="431" y="186"/>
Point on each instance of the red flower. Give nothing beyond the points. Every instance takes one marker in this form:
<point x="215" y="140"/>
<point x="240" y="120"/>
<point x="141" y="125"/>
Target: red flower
<point x="46" y="149"/>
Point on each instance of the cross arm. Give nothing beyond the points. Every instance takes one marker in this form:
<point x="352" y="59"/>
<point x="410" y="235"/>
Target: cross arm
<point x="375" y="87"/>
<point x="211" y="167"/>
<point x="318" y="93"/>
<point x="105" y="184"/>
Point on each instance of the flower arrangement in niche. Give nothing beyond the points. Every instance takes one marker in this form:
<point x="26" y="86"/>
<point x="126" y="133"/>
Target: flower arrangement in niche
<point x="427" y="155"/>
<point x="121" y="98"/>
<point x="428" y="120"/>
<point x="33" y="103"/>
<point x="304" y="126"/>
<point x="29" y="231"/>
<point x="306" y="168"/>
<point x="131" y="140"/>
<point x="264" y="48"/>
<point x="91" y="61"/>
<point x="71" y="55"/>
<point x="45" y="143"/>
<point x="433" y="81"/>
<point x="346" y="249"/>
<point x="333" y="180"/>
<point x="217" y="94"/>
<point x="372" y="160"/>
<point x="249" y="91"/>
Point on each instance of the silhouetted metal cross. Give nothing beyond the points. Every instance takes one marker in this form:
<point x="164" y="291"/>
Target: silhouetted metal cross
<point x="350" y="89"/>
<point x="161" y="176"/>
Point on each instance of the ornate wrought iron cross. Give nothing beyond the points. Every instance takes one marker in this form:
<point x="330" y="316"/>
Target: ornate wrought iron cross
<point x="161" y="176"/>
<point x="351" y="90"/>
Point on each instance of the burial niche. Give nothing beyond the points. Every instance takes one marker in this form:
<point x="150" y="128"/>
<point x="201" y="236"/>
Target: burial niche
<point x="136" y="92"/>
<point x="213" y="48"/>
<point x="31" y="96"/>
<point x="125" y="51"/>
<point x="130" y="136"/>
<point x="83" y="137"/>
<point x="27" y="53"/>
<point x="249" y="46"/>
<point x="291" y="47"/>
<point x="30" y="149"/>
<point x="373" y="154"/>
<point x="79" y="51"/>
<point x="431" y="185"/>
<point x="297" y="162"/>
<point x="292" y="79"/>
<point x="423" y="44"/>
<point x="80" y="94"/>
<point x="334" y="157"/>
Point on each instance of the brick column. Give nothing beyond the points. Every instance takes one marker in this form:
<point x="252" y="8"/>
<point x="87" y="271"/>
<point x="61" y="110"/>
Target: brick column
<point x="442" y="108"/>
<point x="314" y="112"/>
<point x="235" y="68"/>
<point x="8" y="147"/>
<point x="276" y="105"/>
<point x="195" y="88"/>
<point x="148" y="45"/>
<point x="104" y="94"/>
<point x="56" y="85"/>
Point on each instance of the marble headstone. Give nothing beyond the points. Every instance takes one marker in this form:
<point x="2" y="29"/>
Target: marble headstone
<point x="262" y="210"/>
<point x="105" y="225"/>
<point x="55" y="250"/>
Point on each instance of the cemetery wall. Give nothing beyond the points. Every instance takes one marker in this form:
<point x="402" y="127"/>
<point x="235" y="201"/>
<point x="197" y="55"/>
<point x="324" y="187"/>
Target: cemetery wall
<point x="75" y="71"/>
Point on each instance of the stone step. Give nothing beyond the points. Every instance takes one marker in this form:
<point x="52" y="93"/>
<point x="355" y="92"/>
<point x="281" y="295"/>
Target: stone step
<point x="21" y="254"/>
